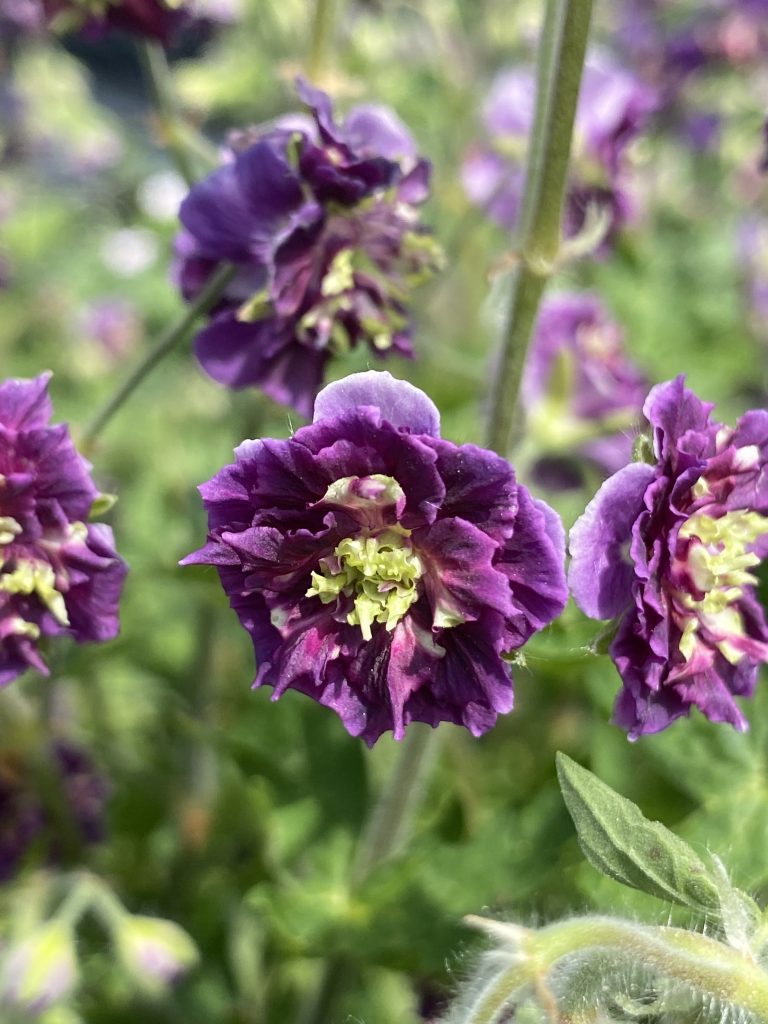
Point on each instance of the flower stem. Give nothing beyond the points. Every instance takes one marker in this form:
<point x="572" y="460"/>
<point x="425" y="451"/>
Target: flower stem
<point x="320" y="39"/>
<point x="388" y="826"/>
<point x="716" y="972"/>
<point x="158" y="76"/>
<point x="204" y="301"/>
<point x="560" y="64"/>
<point x="393" y="814"/>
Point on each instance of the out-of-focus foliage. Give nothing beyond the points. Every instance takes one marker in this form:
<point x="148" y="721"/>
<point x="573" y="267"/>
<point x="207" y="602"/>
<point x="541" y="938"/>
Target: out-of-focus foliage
<point x="234" y="817"/>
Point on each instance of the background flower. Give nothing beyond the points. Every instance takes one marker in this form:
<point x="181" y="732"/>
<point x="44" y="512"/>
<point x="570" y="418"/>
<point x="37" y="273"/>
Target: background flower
<point x="380" y="569"/>
<point x="582" y="394"/>
<point x="60" y="576"/>
<point x="667" y="550"/>
<point x="614" y="108"/>
<point x="321" y="221"/>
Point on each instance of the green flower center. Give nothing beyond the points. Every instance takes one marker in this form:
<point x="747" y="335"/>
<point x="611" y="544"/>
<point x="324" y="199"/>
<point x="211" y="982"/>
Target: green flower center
<point x="718" y="562"/>
<point x="380" y="573"/>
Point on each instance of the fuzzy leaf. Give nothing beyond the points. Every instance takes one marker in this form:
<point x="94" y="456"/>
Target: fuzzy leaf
<point x="617" y="839"/>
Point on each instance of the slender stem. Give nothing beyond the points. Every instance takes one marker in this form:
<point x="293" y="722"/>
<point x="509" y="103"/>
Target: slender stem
<point x="204" y="301"/>
<point x="560" y="63"/>
<point x="548" y="40"/>
<point x="387" y="828"/>
<point x="158" y="76"/>
<point x="393" y="814"/>
<point x="320" y="39"/>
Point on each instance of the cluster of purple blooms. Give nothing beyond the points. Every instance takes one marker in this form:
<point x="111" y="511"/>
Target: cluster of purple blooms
<point x="321" y="222"/>
<point x="379" y="568"/>
<point x="59" y="573"/>
<point x="614" y="108"/>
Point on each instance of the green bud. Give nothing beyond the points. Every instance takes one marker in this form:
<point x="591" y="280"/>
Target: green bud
<point x="155" y="952"/>
<point x="40" y="970"/>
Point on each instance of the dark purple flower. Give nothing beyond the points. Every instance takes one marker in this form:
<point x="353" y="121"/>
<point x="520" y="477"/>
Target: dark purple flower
<point x="60" y="575"/>
<point x="25" y="818"/>
<point x="382" y="570"/>
<point x="614" y="107"/>
<point x="667" y="551"/>
<point x="321" y="221"/>
<point x="581" y="393"/>
<point x="153" y="19"/>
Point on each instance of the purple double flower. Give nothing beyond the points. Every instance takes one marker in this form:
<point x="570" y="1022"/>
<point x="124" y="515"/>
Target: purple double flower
<point x="667" y="549"/>
<point x="59" y="573"/>
<point x="321" y="221"/>
<point x="380" y="569"/>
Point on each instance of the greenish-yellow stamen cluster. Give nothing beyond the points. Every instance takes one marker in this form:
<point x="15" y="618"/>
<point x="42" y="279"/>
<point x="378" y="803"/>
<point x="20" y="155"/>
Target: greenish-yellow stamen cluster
<point x="380" y="573"/>
<point x="719" y="565"/>
<point x="28" y="576"/>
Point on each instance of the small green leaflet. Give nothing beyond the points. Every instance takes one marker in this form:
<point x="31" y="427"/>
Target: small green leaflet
<point x="617" y="839"/>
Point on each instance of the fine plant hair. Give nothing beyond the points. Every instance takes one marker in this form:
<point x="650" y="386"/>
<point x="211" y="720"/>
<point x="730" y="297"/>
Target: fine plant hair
<point x="593" y="969"/>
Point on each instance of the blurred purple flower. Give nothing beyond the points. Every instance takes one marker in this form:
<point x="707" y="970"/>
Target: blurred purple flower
<point x="59" y="575"/>
<point x="614" y="107"/>
<point x="114" y="325"/>
<point x="382" y="570"/>
<point x="752" y="242"/>
<point x="581" y="393"/>
<point x="153" y="19"/>
<point x="321" y="221"/>
<point x="25" y="822"/>
<point x="667" y="551"/>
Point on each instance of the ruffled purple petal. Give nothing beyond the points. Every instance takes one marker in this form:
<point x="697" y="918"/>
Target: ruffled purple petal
<point x="601" y="572"/>
<point x="398" y="401"/>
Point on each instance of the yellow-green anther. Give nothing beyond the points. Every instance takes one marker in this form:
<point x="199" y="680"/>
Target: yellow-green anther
<point x="9" y="528"/>
<point x="36" y="578"/>
<point x="379" y="573"/>
<point x="719" y="561"/>
<point x="20" y="627"/>
<point x="340" y="276"/>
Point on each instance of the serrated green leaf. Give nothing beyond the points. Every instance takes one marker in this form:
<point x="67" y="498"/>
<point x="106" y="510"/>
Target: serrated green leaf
<point x="618" y="840"/>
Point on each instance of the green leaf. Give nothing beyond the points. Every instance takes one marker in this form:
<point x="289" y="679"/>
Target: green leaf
<point x="617" y="839"/>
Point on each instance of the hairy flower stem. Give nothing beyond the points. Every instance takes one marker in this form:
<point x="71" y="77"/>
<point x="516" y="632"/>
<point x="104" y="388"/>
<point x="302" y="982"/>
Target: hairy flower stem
<point x="158" y="76"/>
<point x="716" y="973"/>
<point x="320" y="38"/>
<point x="560" y="64"/>
<point x="204" y="301"/>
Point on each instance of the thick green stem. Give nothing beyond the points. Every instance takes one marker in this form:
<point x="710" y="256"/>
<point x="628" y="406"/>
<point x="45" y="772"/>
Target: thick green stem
<point x="716" y="972"/>
<point x="321" y="37"/>
<point x="204" y="301"/>
<point x="560" y="63"/>
<point x="158" y="77"/>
